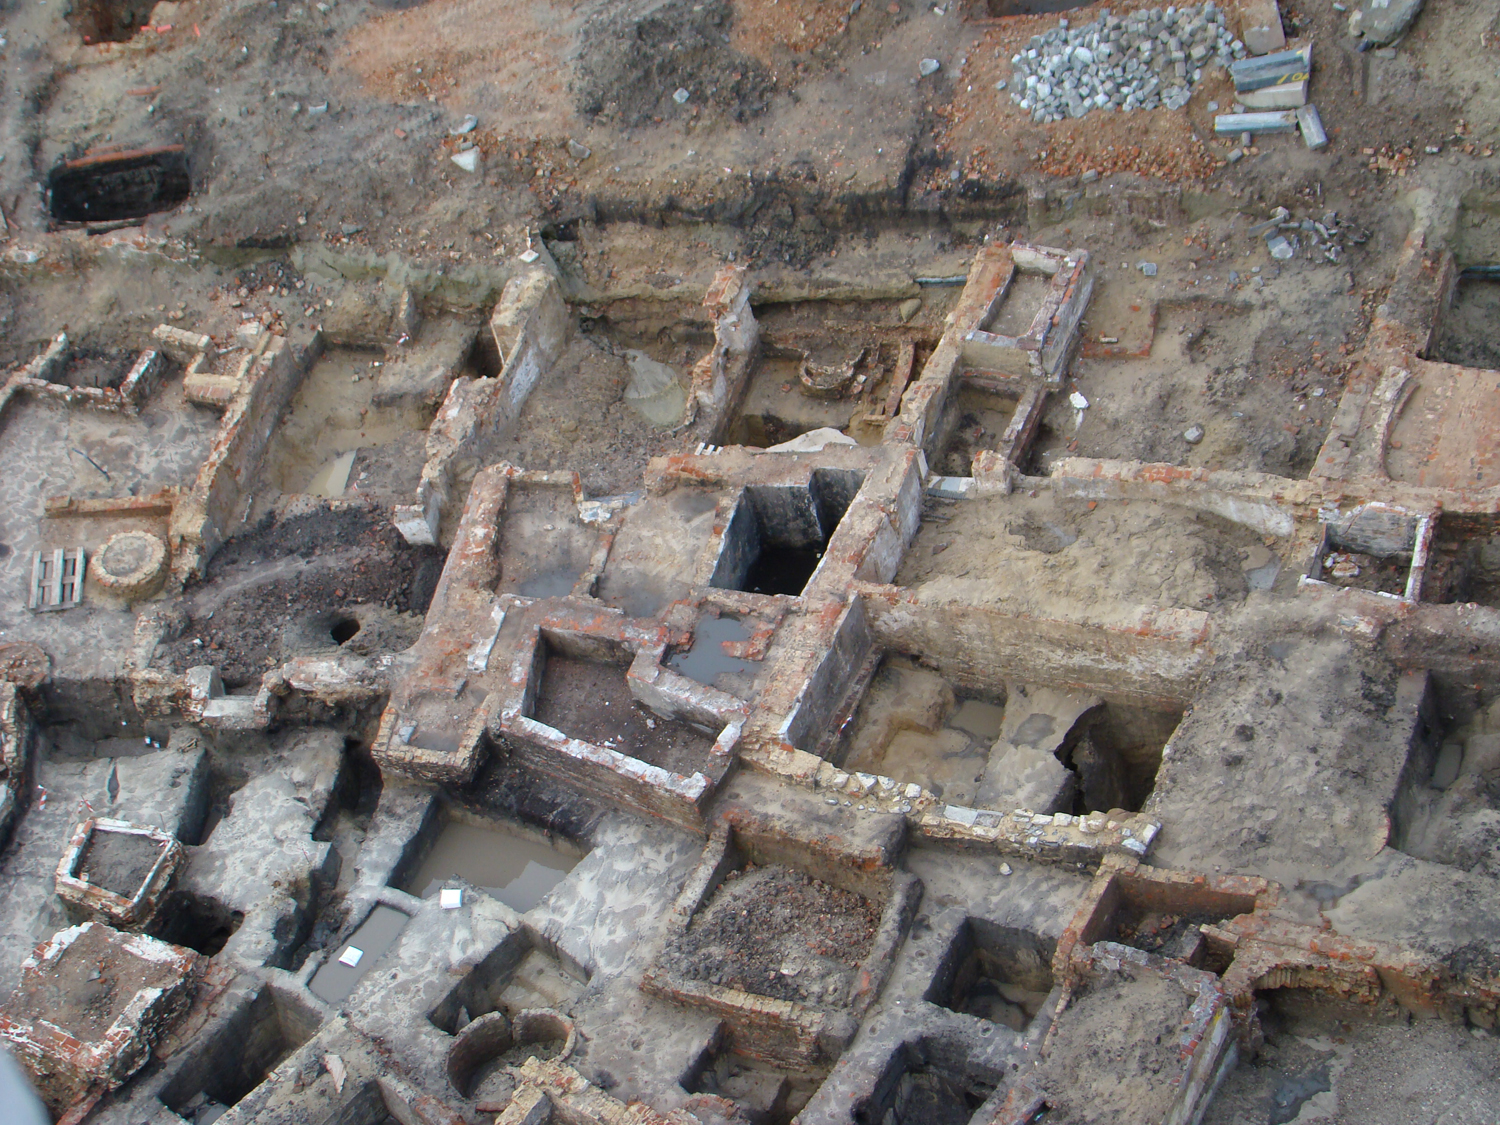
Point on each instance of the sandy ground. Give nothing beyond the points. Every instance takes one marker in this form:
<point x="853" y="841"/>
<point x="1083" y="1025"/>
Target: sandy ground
<point x="1058" y="557"/>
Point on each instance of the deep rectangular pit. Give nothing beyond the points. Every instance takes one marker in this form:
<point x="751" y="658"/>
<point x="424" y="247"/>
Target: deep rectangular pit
<point x="516" y="866"/>
<point x="1115" y="751"/>
<point x="111" y="187"/>
<point x="982" y="748"/>
<point x="1446" y="808"/>
<point x="913" y="726"/>
<point x="776" y="535"/>
<point x="517" y="975"/>
<point x="994" y="973"/>
<point x="1166" y="917"/>
<point x="1373" y="548"/>
<point x="243" y="1050"/>
<point x="197" y="922"/>
<point x="337" y="978"/>
<point x="1466" y="329"/>
<point x="1022" y="301"/>
<point x="1464" y="564"/>
<point x="544" y="548"/>
<point x="767" y="1094"/>
<point x="338" y="435"/>
<point x="928" y="1081"/>
<point x="590" y="700"/>
<point x="974" y="420"/>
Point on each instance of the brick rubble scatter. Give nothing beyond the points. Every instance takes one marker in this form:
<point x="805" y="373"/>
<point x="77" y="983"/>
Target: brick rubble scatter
<point x="1142" y="60"/>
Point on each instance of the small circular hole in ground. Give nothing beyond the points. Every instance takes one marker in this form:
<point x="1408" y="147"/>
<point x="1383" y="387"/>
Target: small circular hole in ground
<point x="343" y="629"/>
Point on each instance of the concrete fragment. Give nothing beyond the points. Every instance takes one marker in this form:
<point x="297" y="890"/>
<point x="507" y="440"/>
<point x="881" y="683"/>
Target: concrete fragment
<point x="1193" y="434"/>
<point x="1260" y="26"/>
<point x="468" y="160"/>
<point x="1383" y="21"/>
<point x="1311" y="124"/>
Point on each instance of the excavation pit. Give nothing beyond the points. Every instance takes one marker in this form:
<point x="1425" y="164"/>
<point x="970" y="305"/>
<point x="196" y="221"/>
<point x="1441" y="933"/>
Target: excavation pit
<point x="519" y="975"/>
<point x="486" y="1047"/>
<point x="118" y="186"/>
<point x="1464" y="565"/>
<point x="544" y="547"/>
<point x="1378" y="548"/>
<point x="766" y="1094"/>
<point x="238" y="1055"/>
<point x="591" y="700"/>
<point x="995" y="973"/>
<point x="979" y="421"/>
<point x="110" y="21"/>
<point x="1466" y="329"/>
<point x="197" y="922"/>
<point x="508" y="863"/>
<point x="928" y="1081"/>
<point x="1165" y="916"/>
<point x="708" y="659"/>
<point x="769" y="917"/>
<point x="338" y="977"/>
<point x="339" y="436"/>
<point x="912" y="725"/>
<point x="776" y="536"/>
<point x="778" y="405"/>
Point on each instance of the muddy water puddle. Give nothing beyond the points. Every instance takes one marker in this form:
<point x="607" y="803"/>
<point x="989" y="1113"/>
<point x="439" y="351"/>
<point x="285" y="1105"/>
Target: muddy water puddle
<point x="342" y="972"/>
<point x="511" y="868"/>
<point x="706" y="661"/>
<point x="332" y="416"/>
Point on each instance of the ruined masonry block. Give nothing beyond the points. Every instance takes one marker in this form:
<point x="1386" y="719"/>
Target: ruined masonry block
<point x="91" y="1006"/>
<point x="117" y="870"/>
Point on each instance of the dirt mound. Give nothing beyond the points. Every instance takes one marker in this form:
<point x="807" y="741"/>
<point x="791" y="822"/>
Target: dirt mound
<point x="267" y="591"/>
<point x="632" y="61"/>
<point x="778" y="933"/>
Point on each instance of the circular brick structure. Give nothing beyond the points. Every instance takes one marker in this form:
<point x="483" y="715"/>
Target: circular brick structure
<point x="131" y="565"/>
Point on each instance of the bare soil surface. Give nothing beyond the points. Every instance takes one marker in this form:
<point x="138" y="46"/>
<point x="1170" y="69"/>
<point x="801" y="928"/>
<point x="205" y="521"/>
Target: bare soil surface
<point x="1054" y="556"/>
<point x="269" y="589"/>
<point x="119" y="862"/>
<point x="592" y="701"/>
<point x="779" y="933"/>
<point x="1323" y="1061"/>
<point x="1114" y="1052"/>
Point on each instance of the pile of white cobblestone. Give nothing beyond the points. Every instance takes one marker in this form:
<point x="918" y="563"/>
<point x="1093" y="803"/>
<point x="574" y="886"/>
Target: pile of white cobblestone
<point x="1141" y="60"/>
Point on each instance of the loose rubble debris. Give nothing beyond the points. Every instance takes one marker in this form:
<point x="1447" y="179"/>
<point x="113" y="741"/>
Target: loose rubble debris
<point x="1148" y="58"/>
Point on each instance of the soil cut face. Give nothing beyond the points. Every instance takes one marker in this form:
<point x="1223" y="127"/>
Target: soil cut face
<point x="1114" y="1053"/>
<point x="779" y="933"/>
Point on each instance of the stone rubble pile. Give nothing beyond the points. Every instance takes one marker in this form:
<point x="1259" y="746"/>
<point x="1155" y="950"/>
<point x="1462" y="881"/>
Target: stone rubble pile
<point x="1141" y="60"/>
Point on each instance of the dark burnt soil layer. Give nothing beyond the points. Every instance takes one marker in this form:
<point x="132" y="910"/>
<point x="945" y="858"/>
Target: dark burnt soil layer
<point x="592" y="701"/>
<point x="119" y="861"/>
<point x="283" y="579"/>
<point x="779" y="933"/>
